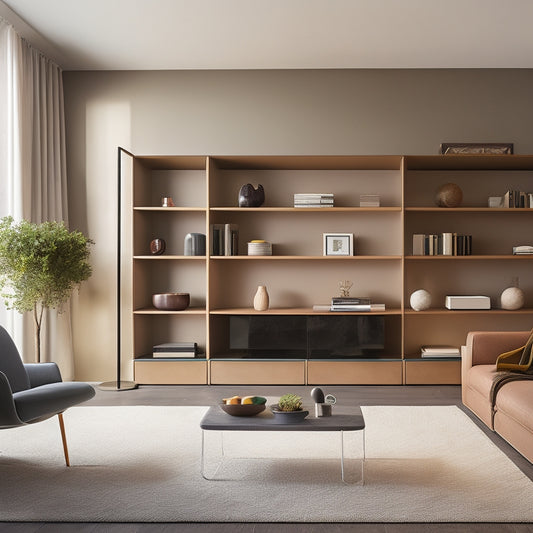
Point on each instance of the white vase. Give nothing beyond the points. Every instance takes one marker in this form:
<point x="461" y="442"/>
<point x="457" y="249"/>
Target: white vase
<point x="261" y="299"/>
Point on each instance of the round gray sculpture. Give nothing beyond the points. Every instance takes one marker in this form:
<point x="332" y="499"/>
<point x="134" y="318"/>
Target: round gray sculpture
<point x="250" y="197"/>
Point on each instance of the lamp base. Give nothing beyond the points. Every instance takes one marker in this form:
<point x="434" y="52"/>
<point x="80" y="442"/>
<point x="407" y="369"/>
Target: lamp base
<point x="117" y="385"/>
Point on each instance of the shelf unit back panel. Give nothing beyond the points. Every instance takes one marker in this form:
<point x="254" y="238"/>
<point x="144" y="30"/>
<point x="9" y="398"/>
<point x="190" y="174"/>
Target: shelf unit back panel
<point x="301" y="232"/>
<point x="171" y="226"/>
<point x="280" y="185"/>
<point x="477" y="186"/>
<point x="442" y="278"/>
<point x="150" y="330"/>
<point x="158" y="276"/>
<point x="492" y="233"/>
<point x="304" y="283"/>
<point x="452" y="327"/>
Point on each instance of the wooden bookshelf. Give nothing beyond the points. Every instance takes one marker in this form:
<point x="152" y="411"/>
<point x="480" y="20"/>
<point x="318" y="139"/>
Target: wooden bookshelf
<point x="298" y="276"/>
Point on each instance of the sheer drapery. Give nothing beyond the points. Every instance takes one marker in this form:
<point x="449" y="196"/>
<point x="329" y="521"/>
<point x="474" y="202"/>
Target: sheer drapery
<point x="33" y="170"/>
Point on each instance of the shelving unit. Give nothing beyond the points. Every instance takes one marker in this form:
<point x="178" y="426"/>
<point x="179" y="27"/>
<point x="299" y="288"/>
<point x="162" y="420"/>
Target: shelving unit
<point x="297" y="275"/>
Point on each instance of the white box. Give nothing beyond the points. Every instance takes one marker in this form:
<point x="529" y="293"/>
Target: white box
<point x="467" y="302"/>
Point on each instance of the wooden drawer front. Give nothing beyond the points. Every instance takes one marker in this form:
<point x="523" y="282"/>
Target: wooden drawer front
<point x="171" y="372"/>
<point x="433" y="372"/>
<point x="354" y="372"/>
<point x="257" y="372"/>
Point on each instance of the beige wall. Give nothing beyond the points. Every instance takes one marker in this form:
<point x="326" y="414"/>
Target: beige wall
<point x="257" y="112"/>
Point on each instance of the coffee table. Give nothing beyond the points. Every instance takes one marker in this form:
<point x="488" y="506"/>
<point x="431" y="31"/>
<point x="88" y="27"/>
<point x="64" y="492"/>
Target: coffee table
<point x="346" y="420"/>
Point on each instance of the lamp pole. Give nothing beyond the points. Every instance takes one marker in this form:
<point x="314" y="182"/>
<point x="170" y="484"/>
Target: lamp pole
<point x="119" y="384"/>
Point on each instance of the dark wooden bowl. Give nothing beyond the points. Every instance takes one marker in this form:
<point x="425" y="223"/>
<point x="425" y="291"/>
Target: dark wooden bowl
<point x="171" y="301"/>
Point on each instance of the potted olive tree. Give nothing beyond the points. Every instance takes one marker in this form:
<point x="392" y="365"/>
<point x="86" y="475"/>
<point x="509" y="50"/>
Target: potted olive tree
<point x="40" y="264"/>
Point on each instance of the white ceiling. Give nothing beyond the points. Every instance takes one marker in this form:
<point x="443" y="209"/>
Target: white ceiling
<point x="287" y="34"/>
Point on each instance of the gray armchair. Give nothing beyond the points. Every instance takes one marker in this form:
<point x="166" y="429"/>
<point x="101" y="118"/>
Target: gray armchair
<point x="32" y="393"/>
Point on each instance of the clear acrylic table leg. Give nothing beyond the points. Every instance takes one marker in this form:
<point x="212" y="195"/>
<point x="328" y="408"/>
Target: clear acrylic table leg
<point x="345" y="478"/>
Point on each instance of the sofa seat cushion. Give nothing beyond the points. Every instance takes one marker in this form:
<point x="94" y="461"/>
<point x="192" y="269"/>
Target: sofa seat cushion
<point x="515" y="399"/>
<point x="480" y="379"/>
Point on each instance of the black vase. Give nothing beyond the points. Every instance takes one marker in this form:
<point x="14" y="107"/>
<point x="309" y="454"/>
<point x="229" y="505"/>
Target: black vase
<point x="250" y="197"/>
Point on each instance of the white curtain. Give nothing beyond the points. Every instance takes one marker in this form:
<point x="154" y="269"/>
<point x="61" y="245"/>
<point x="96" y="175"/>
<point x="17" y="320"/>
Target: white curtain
<point x="33" y="171"/>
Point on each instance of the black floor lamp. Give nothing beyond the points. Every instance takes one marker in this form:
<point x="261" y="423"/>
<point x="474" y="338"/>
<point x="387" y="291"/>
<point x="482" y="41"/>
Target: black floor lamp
<point x="119" y="384"/>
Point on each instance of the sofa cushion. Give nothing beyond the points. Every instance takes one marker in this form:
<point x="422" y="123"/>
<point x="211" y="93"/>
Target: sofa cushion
<point x="515" y="399"/>
<point x="480" y="378"/>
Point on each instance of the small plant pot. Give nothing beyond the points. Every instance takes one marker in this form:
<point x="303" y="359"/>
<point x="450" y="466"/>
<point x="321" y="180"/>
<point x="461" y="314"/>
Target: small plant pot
<point x="288" y="417"/>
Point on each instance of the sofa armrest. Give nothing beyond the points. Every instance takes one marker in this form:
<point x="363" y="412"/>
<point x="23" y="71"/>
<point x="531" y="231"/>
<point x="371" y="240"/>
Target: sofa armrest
<point x="484" y="347"/>
<point x="42" y="373"/>
<point x="8" y="413"/>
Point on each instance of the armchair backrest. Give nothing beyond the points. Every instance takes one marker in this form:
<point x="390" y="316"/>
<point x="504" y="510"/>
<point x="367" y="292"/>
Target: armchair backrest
<point x="11" y="363"/>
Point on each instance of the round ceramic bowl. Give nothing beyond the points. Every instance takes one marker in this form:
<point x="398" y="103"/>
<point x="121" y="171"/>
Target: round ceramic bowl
<point x="248" y="409"/>
<point x="288" y="417"/>
<point x="171" y="301"/>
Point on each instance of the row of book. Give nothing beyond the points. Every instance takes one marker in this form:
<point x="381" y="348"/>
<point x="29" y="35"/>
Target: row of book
<point x="514" y="199"/>
<point x="224" y="239"/>
<point x="442" y="244"/>
<point x="173" y="350"/>
<point x="314" y="200"/>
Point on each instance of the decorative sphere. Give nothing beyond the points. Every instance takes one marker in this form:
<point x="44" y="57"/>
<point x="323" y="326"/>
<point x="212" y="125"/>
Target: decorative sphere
<point x="420" y="300"/>
<point x="449" y="195"/>
<point x="512" y="298"/>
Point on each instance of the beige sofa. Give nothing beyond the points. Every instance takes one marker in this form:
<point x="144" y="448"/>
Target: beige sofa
<point x="513" y="417"/>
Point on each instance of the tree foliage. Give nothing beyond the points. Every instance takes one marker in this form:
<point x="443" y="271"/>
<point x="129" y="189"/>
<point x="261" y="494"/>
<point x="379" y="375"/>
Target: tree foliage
<point x="40" y="264"/>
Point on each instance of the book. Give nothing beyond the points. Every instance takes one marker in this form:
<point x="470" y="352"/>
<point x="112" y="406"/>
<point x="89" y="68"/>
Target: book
<point x="349" y="300"/>
<point x="175" y="349"/>
<point x="418" y="243"/>
<point x="217" y="239"/>
<point x="440" y="351"/>
<point x="357" y="307"/>
<point x="231" y="239"/>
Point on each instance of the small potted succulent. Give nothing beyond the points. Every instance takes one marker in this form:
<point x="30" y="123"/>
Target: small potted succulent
<point x="289" y="409"/>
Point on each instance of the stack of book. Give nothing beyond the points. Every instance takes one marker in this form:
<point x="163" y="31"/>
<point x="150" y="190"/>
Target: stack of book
<point x="369" y="200"/>
<point x="314" y="200"/>
<point x="172" y="350"/>
<point x="259" y="247"/>
<point x="349" y="304"/>
<point x="442" y="244"/>
<point x="224" y="239"/>
<point x="440" y="351"/>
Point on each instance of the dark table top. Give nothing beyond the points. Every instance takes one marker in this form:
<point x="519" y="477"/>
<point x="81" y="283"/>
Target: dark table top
<point x="347" y="419"/>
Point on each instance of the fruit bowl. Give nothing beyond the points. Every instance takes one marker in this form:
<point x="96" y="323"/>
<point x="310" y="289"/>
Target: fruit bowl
<point x="249" y="409"/>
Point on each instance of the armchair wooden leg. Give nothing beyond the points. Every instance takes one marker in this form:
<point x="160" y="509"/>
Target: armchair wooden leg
<point x="63" y="437"/>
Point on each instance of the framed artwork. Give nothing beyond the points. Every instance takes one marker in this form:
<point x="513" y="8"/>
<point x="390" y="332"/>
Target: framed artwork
<point x="476" y="148"/>
<point x="338" y="243"/>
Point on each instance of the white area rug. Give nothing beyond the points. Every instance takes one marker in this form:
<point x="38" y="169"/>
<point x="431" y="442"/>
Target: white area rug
<point x="142" y="464"/>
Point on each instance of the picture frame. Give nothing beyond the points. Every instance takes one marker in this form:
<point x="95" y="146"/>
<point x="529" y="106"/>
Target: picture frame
<point x="477" y="148"/>
<point x="338" y="244"/>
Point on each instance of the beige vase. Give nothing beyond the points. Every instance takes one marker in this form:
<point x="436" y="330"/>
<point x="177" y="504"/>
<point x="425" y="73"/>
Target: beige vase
<point x="261" y="299"/>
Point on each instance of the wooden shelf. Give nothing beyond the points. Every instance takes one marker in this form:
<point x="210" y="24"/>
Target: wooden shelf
<point x="501" y="257"/>
<point x="174" y="209"/>
<point x="468" y="210"/>
<point x="233" y="209"/>
<point x="523" y="311"/>
<point x="164" y="257"/>
<point x="306" y="257"/>
<point x="298" y="311"/>
<point x="154" y="311"/>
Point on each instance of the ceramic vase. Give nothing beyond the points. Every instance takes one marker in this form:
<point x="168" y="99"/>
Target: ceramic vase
<point x="261" y="299"/>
